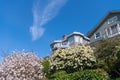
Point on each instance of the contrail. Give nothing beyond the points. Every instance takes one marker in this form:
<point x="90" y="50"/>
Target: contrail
<point x="43" y="14"/>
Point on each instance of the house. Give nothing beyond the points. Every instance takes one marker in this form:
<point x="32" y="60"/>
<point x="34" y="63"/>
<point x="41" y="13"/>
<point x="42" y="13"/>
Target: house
<point x="108" y="27"/>
<point x="72" y="39"/>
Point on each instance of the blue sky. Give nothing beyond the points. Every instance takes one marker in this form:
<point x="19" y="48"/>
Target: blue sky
<point x="33" y="24"/>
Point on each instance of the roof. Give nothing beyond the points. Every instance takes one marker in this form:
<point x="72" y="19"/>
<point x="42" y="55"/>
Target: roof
<point x="74" y="33"/>
<point x="90" y="33"/>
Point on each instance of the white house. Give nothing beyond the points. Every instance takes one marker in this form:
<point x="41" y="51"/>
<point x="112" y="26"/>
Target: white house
<point x="72" y="39"/>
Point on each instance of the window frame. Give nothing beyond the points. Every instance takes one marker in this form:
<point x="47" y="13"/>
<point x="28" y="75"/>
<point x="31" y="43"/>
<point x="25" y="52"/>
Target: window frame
<point x="107" y="31"/>
<point x="96" y="34"/>
<point x="71" y="40"/>
<point x="65" y="43"/>
<point x="112" y="19"/>
<point x="116" y="27"/>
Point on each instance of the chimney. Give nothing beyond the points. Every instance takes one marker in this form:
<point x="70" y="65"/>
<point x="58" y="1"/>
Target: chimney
<point x="64" y="37"/>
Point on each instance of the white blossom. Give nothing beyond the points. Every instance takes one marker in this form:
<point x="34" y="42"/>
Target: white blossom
<point x="75" y="57"/>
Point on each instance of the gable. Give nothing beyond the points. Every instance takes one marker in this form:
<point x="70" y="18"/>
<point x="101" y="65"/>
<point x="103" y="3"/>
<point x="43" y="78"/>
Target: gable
<point x="103" y="20"/>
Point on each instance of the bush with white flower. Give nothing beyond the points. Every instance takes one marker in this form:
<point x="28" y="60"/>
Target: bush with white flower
<point x="21" y="66"/>
<point x="79" y="57"/>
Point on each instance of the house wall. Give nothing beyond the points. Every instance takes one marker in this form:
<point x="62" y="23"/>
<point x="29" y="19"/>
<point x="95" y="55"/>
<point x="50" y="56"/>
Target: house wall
<point x="102" y="28"/>
<point x="78" y="39"/>
<point x="85" y="42"/>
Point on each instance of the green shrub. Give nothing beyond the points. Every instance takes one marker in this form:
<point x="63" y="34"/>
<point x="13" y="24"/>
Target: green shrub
<point x="45" y="79"/>
<point x="116" y="65"/>
<point x="58" y="75"/>
<point x="72" y="59"/>
<point x="92" y="75"/>
<point x="46" y="65"/>
<point x="108" y="56"/>
<point x="106" y="47"/>
<point x="81" y="75"/>
<point x="116" y="79"/>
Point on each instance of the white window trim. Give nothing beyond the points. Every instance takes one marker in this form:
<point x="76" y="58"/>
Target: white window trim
<point x="111" y="19"/>
<point x="98" y="37"/>
<point x="81" y="40"/>
<point x="111" y="35"/>
<point x="107" y="31"/>
<point x="118" y="27"/>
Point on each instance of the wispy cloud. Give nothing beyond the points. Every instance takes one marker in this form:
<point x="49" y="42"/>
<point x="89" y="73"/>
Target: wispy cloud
<point x="42" y="14"/>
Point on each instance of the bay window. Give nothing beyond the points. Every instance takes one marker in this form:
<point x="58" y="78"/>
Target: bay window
<point x="114" y="29"/>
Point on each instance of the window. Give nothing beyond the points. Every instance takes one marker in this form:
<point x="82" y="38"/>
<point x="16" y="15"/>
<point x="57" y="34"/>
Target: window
<point x="71" y="40"/>
<point x="97" y="35"/>
<point x="52" y="46"/>
<point x="64" y="43"/>
<point x="114" y="29"/>
<point x="113" y="19"/>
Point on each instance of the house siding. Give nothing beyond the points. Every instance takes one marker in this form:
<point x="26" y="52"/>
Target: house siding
<point x="103" y="26"/>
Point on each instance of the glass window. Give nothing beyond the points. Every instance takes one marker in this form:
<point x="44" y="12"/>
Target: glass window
<point x="64" y="43"/>
<point x="52" y="46"/>
<point x="71" y="40"/>
<point x="110" y="21"/>
<point x="113" y="19"/>
<point x="97" y="35"/>
<point x="114" y="29"/>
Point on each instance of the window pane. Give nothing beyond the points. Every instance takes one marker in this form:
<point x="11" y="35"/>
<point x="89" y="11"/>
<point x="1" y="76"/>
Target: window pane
<point x="113" y="19"/>
<point x="114" y="29"/>
<point x="64" y="43"/>
<point x="97" y="35"/>
<point x="71" y="40"/>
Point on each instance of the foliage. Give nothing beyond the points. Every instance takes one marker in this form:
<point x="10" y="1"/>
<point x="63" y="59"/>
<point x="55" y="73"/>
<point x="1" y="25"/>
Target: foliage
<point x="45" y="79"/>
<point x="46" y="65"/>
<point x="58" y="75"/>
<point x="116" y="79"/>
<point x="116" y="65"/>
<point x="81" y="75"/>
<point x="106" y="47"/>
<point x="108" y="56"/>
<point x="21" y="66"/>
<point x="79" y="57"/>
<point x="93" y="75"/>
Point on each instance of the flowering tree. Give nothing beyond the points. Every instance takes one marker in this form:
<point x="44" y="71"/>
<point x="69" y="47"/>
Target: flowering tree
<point x="21" y="66"/>
<point x="72" y="58"/>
